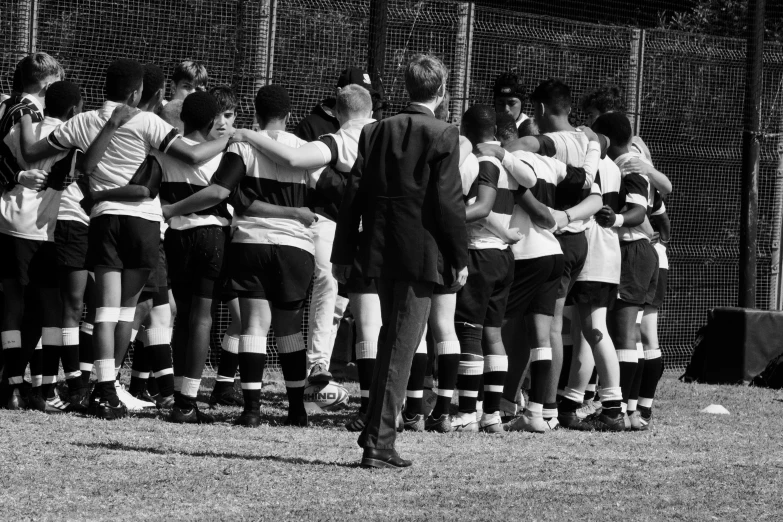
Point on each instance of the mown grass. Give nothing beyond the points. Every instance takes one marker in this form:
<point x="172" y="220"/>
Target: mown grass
<point x="691" y="466"/>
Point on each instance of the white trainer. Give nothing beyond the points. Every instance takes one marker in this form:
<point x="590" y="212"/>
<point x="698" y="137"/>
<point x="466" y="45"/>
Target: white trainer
<point x="130" y="402"/>
<point x="464" y="422"/>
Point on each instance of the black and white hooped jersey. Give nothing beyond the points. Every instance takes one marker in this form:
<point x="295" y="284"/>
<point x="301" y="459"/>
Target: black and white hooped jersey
<point x="28" y="213"/>
<point x="658" y="209"/>
<point x="635" y="190"/>
<point x="125" y="153"/>
<point x="603" y="259"/>
<point x="11" y="111"/>
<point x="70" y="202"/>
<point x="180" y="180"/>
<point x="257" y="177"/>
<point x="490" y="173"/>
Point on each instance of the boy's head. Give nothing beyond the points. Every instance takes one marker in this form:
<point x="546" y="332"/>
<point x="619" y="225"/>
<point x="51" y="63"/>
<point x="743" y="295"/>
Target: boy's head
<point x="124" y="81"/>
<point x="189" y="76"/>
<point x="616" y="127"/>
<point x="154" y="84"/>
<point x="442" y="111"/>
<point x="425" y="79"/>
<point x="171" y="114"/>
<point x="272" y="105"/>
<point x="478" y="124"/>
<point x="600" y="101"/>
<point x="227" y="111"/>
<point x="63" y="100"/>
<point x="353" y="102"/>
<point x="354" y="76"/>
<point x="198" y="112"/>
<point x="38" y="71"/>
<point x="552" y="98"/>
<point x="509" y="94"/>
<point x="506" y="127"/>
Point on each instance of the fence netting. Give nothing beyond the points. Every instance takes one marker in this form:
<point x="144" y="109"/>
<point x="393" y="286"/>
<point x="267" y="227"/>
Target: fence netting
<point x="683" y="91"/>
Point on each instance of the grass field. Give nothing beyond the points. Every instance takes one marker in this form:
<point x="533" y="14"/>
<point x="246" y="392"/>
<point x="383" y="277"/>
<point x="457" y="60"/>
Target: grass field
<point x="691" y="466"/>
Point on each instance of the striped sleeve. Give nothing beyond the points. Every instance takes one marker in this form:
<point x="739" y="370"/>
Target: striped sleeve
<point x="636" y="188"/>
<point x="489" y="174"/>
<point x="546" y="146"/>
<point x="659" y="207"/>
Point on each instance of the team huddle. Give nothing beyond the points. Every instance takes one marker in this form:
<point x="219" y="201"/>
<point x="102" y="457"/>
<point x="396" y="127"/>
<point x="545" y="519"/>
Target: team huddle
<point x="548" y="271"/>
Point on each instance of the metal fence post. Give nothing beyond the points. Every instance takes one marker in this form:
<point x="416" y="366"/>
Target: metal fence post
<point x="460" y="78"/>
<point x="776" y="264"/>
<point x="635" y="76"/>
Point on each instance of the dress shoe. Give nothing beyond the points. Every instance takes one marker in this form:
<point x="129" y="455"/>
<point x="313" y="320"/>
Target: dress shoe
<point x="383" y="458"/>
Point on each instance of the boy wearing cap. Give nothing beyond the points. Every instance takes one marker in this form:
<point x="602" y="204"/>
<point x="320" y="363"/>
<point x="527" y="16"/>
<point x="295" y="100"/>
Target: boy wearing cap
<point x="509" y="96"/>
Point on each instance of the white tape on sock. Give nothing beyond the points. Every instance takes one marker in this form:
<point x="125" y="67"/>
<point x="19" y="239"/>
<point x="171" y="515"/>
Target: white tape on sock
<point x="107" y="314"/>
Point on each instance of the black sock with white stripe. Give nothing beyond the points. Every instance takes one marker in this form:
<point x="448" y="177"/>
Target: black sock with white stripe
<point x="159" y="340"/>
<point x="252" y="359"/>
<point x="293" y="361"/>
<point x="365" y="364"/>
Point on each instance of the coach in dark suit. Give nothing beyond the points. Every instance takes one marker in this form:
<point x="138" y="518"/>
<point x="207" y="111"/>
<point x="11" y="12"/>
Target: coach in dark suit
<point x="406" y="191"/>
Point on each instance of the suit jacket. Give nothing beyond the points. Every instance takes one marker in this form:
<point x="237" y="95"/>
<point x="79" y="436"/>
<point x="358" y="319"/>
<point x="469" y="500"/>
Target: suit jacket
<point x="405" y="189"/>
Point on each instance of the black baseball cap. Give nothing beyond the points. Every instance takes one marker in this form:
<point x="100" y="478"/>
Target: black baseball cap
<point x="508" y="84"/>
<point x="354" y="75"/>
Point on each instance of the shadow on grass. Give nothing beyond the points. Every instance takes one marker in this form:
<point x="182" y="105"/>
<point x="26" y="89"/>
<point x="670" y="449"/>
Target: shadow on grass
<point x="118" y="446"/>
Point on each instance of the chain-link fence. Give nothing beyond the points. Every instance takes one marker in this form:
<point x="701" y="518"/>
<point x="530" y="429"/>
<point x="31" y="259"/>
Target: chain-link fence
<point x="683" y="92"/>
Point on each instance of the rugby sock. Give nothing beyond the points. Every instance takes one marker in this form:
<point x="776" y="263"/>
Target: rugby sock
<point x="189" y="392"/>
<point x="227" y="366"/>
<point x="105" y="373"/>
<point x="628" y="360"/>
<point x="86" y="357"/>
<point x="568" y="352"/>
<point x="653" y="369"/>
<point x="495" y="369"/>
<point x="70" y="358"/>
<point x="448" y="366"/>
<point x="365" y="363"/>
<point x="52" y="343"/>
<point x="252" y="359"/>
<point x="633" y="396"/>
<point x="415" y="389"/>
<point x="36" y="368"/>
<point x="535" y="409"/>
<point x="540" y="365"/>
<point x="590" y="389"/>
<point x="469" y="381"/>
<point x="159" y="352"/>
<point x="140" y="370"/>
<point x="12" y="350"/>
<point x="611" y="401"/>
<point x="293" y="361"/>
<point x="572" y="400"/>
<point x="550" y="411"/>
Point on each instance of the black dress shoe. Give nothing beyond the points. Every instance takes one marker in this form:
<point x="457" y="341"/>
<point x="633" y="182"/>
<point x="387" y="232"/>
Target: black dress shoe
<point x="383" y="458"/>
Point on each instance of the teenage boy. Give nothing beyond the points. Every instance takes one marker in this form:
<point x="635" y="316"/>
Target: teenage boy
<point x="510" y="95"/>
<point x="405" y="189"/>
<point x="124" y="235"/>
<point x="27" y="222"/>
<point x="188" y="77"/>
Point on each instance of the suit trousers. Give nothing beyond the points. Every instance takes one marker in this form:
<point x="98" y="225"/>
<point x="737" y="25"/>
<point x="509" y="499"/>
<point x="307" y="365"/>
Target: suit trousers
<point x="405" y="308"/>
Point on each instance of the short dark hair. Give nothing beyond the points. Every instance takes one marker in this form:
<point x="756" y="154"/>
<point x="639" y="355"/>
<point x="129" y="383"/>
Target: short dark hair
<point x="154" y="80"/>
<point x="479" y="121"/>
<point x="18" y="84"/>
<point x="60" y="97"/>
<point x="199" y="110"/>
<point x="39" y="66"/>
<point x="553" y="93"/>
<point x="272" y="102"/>
<point x="527" y="128"/>
<point x="191" y="70"/>
<point x="509" y="84"/>
<point x="442" y="110"/>
<point x="507" y="126"/>
<point x="122" y="78"/>
<point x="604" y="99"/>
<point x="424" y="76"/>
<point x="225" y="96"/>
<point x="616" y="126"/>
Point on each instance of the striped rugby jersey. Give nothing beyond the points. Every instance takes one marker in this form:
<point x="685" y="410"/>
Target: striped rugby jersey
<point x="658" y="209"/>
<point x="14" y="108"/>
<point x="256" y="177"/>
<point x="127" y="150"/>
<point x="603" y="259"/>
<point x="490" y="173"/>
<point x="635" y="190"/>
<point x="181" y="180"/>
<point x="28" y="213"/>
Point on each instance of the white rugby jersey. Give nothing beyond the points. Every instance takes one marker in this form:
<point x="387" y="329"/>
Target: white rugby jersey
<point x="181" y="180"/>
<point x="490" y="172"/>
<point x="127" y="150"/>
<point x="70" y="204"/>
<point x="659" y="208"/>
<point x="256" y="177"/>
<point x="603" y="259"/>
<point x="32" y="214"/>
<point x="635" y="190"/>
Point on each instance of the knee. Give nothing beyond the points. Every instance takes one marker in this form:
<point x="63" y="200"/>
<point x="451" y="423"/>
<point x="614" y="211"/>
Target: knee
<point x="469" y="336"/>
<point x="594" y="336"/>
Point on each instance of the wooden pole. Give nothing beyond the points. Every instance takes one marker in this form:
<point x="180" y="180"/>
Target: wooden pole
<point x="376" y="56"/>
<point x="751" y="146"/>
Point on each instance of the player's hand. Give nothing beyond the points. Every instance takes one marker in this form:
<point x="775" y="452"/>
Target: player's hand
<point x="605" y="217"/>
<point x="273" y="134"/>
<point x="462" y="276"/>
<point x="488" y="149"/>
<point x="123" y="114"/>
<point x="341" y="273"/>
<point x="592" y="136"/>
<point x="87" y="201"/>
<point x="34" y="179"/>
<point x="305" y="216"/>
<point x="513" y="235"/>
<point x="634" y="166"/>
<point x="561" y="219"/>
<point x="238" y="136"/>
<point x="166" y="211"/>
